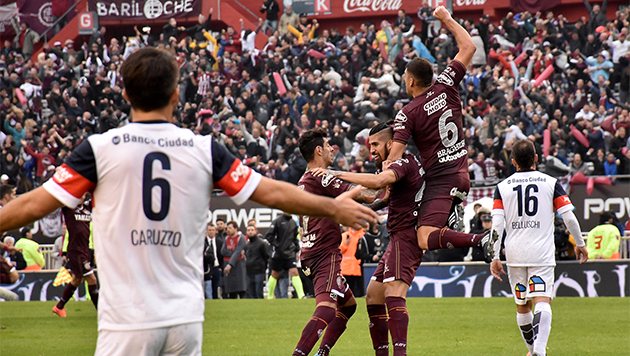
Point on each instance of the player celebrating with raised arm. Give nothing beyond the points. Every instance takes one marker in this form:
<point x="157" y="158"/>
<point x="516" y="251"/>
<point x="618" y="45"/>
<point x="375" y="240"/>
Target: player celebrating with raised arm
<point x="151" y="184"/>
<point x="397" y="268"/>
<point x="523" y="206"/>
<point x="321" y="256"/>
<point x="78" y="224"/>
<point x="434" y="120"/>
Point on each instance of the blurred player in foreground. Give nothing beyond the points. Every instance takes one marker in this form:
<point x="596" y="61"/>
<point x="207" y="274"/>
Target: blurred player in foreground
<point x="523" y="206"/>
<point x="321" y="257"/>
<point x="151" y="184"/>
<point x="78" y="224"/>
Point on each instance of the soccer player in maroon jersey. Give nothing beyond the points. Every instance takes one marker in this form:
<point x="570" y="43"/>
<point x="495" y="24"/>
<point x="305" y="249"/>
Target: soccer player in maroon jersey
<point x="321" y="257"/>
<point x="397" y="268"/>
<point x="434" y="120"/>
<point x="78" y="225"/>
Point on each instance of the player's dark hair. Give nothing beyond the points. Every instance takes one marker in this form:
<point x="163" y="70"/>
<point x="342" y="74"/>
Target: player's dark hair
<point x="5" y="189"/>
<point x="150" y="77"/>
<point x="605" y="217"/>
<point x="310" y="140"/>
<point x="24" y="231"/>
<point x="384" y="128"/>
<point x="233" y="223"/>
<point x="422" y="70"/>
<point x="221" y="219"/>
<point x="210" y="224"/>
<point x="524" y="153"/>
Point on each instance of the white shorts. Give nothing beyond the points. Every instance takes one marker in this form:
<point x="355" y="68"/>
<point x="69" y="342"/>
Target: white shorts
<point x="530" y="282"/>
<point x="184" y="339"/>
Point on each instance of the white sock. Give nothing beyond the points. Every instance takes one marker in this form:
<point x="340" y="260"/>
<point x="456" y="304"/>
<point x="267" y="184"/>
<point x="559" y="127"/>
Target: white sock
<point x="542" y="325"/>
<point x="524" y="322"/>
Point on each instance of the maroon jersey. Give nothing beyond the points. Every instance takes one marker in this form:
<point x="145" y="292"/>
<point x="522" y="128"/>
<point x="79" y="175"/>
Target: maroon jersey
<point x="434" y="121"/>
<point x="319" y="235"/>
<point x="405" y="194"/>
<point x="78" y="224"/>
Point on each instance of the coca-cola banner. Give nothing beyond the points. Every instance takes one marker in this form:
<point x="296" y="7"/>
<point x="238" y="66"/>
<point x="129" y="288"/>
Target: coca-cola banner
<point x="144" y="9"/>
<point x="613" y="198"/>
<point x="362" y="8"/>
<point x="592" y="279"/>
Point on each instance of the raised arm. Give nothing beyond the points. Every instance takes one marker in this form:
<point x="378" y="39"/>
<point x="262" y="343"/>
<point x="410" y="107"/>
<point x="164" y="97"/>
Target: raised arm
<point x="368" y="180"/>
<point x="465" y="43"/>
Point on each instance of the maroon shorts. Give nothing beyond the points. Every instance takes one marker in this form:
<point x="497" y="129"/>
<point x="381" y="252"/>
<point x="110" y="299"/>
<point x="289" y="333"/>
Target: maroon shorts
<point x="438" y="198"/>
<point x="401" y="259"/>
<point x="5" y="271"/>
<point x="80" y="262"/>
<point x="328" y="282"/>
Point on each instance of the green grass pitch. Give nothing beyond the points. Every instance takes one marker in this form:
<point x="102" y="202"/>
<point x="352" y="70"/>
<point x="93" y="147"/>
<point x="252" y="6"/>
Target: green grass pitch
<point x="448" y="326"/>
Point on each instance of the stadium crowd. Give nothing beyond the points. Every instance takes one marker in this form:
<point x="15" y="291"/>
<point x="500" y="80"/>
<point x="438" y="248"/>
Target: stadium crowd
<point x="531" y="73"/>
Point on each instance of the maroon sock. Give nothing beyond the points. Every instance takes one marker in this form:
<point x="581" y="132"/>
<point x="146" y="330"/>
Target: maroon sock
<point x="447" y="238"/>
<point x="336" y="328"/>
<point x="398" y="323"/>
<point x="378" y="329"/>
<point x="67" y="294"/>
<point x="93" y="289"/>
<point x="313" y="330"/>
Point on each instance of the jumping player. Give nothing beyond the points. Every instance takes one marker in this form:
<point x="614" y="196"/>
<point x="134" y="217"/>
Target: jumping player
<point x="524" y="206"/>
<point x="151" y="184"/>
<point x="434" y="120"/>
<point x="78" y="224"/>
<point x="397" y="268"/>
<point x="321" y="257"/>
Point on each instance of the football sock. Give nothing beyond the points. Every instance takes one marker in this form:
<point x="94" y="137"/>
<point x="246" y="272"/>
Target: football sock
<point x="93" y="290"/>
<point x="314" y="329"/>
<point x="336" y="328"/>
<point x="542" y="325"/>
<point x="67" y="294"/>
<point x="297" y="285"/>
<point x="398" y="323"/>
<point x="524" y="322"/>
<point x="378" y="329"/>
<point x="271" y="287"/>
<point x="447" y="238"/>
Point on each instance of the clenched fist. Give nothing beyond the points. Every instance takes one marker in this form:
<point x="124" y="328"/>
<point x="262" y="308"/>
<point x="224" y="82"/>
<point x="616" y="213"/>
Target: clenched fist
<point x="441" y="14"/>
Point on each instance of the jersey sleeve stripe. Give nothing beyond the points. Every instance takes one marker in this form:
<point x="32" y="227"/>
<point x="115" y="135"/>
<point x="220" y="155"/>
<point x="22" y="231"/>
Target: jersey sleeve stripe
<point x="61" y="194"/>
<point x="561" y="202"/>
<point x="498" y="204"/>
<point x="248" y="189"/>
<point x="72" y="183"/>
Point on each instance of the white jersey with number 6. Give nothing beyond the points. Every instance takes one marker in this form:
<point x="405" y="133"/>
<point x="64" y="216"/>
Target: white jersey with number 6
<point x="151" y="186"/>
<point x="527" y="201"/>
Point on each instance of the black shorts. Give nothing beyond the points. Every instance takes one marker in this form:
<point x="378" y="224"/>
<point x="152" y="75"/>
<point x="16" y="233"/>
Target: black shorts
<point x="279" y="264"/>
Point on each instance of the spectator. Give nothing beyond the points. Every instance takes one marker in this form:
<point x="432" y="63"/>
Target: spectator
<point x="603" y="241"/>
<point x="288" y="18"/>
<point x="610" y="165"/>
<point x="403" y="21"/>
<point x="25" y="37"/>
<point x="257" y="255"/>
<point x="272" y="8"/>
<point x="16" y="259"/>
<point x="235" y="271"/>
<point x="212" y="262"/>
<point x="597" y="15"/>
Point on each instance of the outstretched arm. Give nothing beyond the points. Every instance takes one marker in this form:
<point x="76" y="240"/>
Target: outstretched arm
<point x="368" y="180"/>
<point x="465" y="43"/>
<point x="342" y="209"/>
<point x="27" y="208"/>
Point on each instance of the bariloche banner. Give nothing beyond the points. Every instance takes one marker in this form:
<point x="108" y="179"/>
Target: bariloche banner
<point x="592" y="279"/>
<point x="473" y="279"/>
<point x="144" y="9"/>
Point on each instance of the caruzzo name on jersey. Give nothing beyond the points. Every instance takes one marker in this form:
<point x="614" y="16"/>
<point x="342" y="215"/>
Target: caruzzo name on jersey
<point x="530" y="224"/>
<point x="156" y="237"/>
<point x="444" y="153"/>
<point x="162" y="142"/>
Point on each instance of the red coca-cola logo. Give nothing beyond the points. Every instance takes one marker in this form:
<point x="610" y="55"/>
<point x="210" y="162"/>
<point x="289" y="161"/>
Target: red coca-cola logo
<point x="371" y="5"/>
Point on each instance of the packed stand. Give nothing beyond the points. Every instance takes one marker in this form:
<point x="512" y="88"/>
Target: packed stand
<point x="531" y="74"/>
